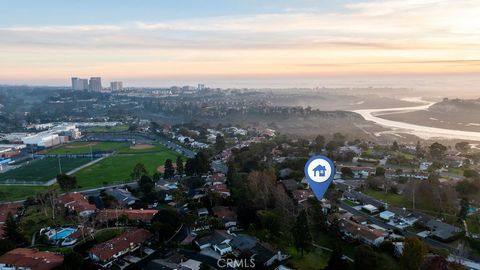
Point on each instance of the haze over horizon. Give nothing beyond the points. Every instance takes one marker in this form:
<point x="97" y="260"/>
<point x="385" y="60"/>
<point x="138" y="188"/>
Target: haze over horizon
<point x="413" y="43"/>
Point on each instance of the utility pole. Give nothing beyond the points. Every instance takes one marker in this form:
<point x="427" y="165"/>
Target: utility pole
<point x="59" y="164"/>
<point x="414" y="187"/>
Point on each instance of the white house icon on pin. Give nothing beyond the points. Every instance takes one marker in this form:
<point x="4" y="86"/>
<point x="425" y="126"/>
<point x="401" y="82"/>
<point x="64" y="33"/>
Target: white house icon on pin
<point x="320" y="170"/>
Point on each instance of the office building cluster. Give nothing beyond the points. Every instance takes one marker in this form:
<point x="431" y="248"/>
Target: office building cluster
<point x="94" y="84"/>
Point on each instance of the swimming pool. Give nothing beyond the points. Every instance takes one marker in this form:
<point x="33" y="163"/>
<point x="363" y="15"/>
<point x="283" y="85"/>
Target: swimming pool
<point x="62" y="234"/>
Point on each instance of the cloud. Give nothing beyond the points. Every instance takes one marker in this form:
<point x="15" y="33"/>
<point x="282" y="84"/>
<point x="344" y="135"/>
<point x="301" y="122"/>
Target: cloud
<point x="369" y="36"/>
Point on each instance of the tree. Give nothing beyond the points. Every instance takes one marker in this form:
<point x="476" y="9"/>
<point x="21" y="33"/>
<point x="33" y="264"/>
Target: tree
<point x="146" y="184"/>
<point x="464" y="205"/>
<point x="441" y="262"/>
<point x="169" y="169"/>
<point x="414" y="253"/>
<point x="198" y="165"/>
<point x="157" y="176"/>
<point x="332" y="146"/>
<point x="48" y="200"/>
<point x="469" y="173"/>
<point x="419" y="153"/>
<point x="204" y="266"/>
<point x="271" y="222"/>
<point x="6" y="245"/>
<point x="336" y="260"/>
<point x="466" y="188"/>
<point x="165" y="223"/>
<point x="365" y="258"/>
<point x="219" y="143"/>
<point x="462" y="146"/>
<point x="11" y="230"/>
<point x="318" y="143"/>
<point x="261" y="185"/>
<point x="66" y="182"/>
<point x="179" y="163"/>
<point x="437" y="150"/>
<point x="347" y="172"/>
<point x="73" y="261"/>
<point x="301" y="234"/>
<point x="138" y="171"/>
<point x="380" y="171"/>
<point x="339" y="137"/>
<point x="395" y="146"/>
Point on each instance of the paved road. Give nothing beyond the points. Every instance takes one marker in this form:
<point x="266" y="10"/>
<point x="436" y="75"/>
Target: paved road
<point x="174" y="146"/>
<point x="54" y="180"/>
<point x="453" y="251"/>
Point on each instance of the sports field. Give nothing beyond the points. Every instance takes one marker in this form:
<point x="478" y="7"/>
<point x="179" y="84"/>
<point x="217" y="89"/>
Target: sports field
<point x="86" y="148"/>
<point x="117" y="169"/>
<point x="43" y="169"/>
<point x="143" y="149"/>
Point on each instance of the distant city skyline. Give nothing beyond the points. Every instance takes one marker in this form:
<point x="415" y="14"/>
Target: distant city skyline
<point x="161" y="43"/>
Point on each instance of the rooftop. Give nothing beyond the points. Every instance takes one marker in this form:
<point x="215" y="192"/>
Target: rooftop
<point x="104" y="251"/>
<point x="32" y="258"/>
<point x="132" y="214"/>
<point x="77" y="202"/>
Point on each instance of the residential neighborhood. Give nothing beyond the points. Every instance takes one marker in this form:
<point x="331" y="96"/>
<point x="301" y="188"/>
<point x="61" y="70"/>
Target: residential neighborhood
<point x="242" y="198"/>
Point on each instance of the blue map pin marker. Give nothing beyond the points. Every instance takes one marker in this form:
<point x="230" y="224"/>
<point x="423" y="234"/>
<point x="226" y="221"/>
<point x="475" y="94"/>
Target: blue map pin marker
<point x="319" y="172"/>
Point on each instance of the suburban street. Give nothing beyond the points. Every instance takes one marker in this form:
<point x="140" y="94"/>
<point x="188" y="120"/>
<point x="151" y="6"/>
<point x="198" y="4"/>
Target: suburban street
<point x="429" y="241"/>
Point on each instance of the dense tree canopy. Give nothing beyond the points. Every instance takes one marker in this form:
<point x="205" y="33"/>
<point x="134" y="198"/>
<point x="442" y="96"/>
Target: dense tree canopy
<point x="414" y="253"/>
<point x="66" y="182"/>
<point x="138" y="171"/>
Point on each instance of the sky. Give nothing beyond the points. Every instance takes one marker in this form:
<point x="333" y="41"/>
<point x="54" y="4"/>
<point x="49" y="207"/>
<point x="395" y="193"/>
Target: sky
<point x="159" y="43"/>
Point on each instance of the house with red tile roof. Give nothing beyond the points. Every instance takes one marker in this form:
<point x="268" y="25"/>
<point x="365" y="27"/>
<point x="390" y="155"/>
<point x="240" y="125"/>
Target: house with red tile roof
<point x="77" y="203"/>
<point x="106" y="253"/>
<point x="30" y="259"/>
<point x="140" y="215"/>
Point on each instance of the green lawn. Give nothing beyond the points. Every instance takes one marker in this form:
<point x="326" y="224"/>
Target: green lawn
<point x="119" y="128"/>
<point x="390" y="198"/>
<point x="316" y="259"/>
<point x="331" y="240"/>
<point x="43" y="169"/>
<point x="36" y="218"/>
<point x="400" y="201"/>
<point x="473" y="223"/>
<point x="348" y="202"/>
<point x="458" y="171"/>
<point x="112" y="170"/>
<point x="405" y="155"/>
<point x="12" y="193"/>
<point x="117" y="169"/>
<point x="85" y="148"/>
